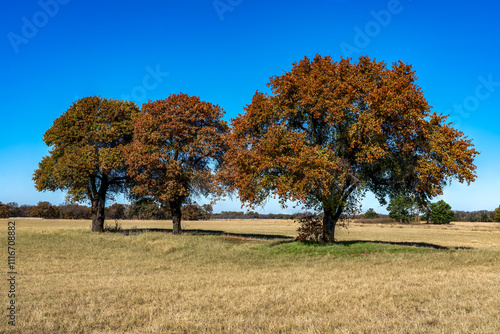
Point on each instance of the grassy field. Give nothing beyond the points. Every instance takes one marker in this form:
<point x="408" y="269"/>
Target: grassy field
<point x="243" y="277"/>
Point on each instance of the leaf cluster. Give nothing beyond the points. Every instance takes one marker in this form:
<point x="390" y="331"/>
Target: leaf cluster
<point x="178" y="142"/>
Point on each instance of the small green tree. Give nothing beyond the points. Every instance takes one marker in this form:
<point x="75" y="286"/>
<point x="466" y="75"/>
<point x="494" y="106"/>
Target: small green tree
<point x="370" y="214"/>
<point x="497" y="214"/>
<point x="484" y="217"/>
<point x="440" y="213"/>
<point x="401" y="209"/>
<point x="146" y="208"/>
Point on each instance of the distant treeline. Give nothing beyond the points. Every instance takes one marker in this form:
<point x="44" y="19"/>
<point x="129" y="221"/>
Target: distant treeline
<point x="460" y="216"/>
<point x="145" y="209"/>
<point x="475" y="216"/>
<point x="255" y="215"/>
<point x="142" y="209"/>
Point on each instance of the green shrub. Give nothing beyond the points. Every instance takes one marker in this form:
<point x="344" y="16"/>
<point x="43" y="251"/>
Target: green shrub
<point x="440" y="213"/>
<point x="402" y="209"/>
<point x="371" y="214"/>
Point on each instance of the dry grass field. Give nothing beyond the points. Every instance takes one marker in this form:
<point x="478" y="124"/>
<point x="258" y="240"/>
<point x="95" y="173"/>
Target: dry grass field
<point x="241" y="277"/>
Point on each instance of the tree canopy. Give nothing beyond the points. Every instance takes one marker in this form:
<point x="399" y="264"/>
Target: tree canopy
<point x="87" y="152"/>
<point x="440" y="212"/>
<point x="402" y="209"/>
<point x="178" y="142"/>
<point x="330" y="131"/>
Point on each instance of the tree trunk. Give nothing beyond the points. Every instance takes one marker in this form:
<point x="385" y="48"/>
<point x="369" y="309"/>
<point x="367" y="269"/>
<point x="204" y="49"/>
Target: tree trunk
<point x="98" y="206"/>
<point x="98" y="214"/>
<point x="175" y="209"/>
<point x="329" y="221"/>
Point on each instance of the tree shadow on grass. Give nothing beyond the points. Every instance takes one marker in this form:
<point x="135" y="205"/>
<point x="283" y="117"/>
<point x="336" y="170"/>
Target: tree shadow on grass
<point x="281" y="239"/>
<point x="395" y="243"/>
<point x="410" y="244"/>
<point x="208" y="232"/>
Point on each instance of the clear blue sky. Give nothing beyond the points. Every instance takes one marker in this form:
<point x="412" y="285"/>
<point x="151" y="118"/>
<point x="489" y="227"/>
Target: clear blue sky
<point x="56" y="51"/>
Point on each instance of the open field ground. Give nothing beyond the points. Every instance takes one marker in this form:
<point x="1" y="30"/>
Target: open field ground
<point x="239" y="277"/>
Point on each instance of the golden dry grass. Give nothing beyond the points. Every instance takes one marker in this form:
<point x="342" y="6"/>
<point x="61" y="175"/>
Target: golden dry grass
<point x="73" y="281"/>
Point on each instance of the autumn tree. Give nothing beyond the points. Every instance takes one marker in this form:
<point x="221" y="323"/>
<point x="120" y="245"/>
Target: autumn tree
<point x="23" y="210"/>
<point x="116" y="211"/>
<point x="44" y="210"/>
<point x="4" y="210"/>
<point x="192" y="212"/>
<point x="329" y="131"/>
<point x="178" y="142"/>
<point x="87" y="153"/>
<point x="15" y="210"/>
<point x="74" y="211"/>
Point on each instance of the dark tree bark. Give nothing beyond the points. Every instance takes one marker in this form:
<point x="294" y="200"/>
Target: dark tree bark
<point x="330" y="219"/>
<point x="98" y="207"/>
<point x="175" y="209"/>
<point x="328" y="225"/>
<point x="98" y="215"/>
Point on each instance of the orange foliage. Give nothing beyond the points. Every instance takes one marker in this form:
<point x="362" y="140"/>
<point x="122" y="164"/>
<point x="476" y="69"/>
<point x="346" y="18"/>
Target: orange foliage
<point x="331" y="130"/>
<point x="177" y="143"/>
